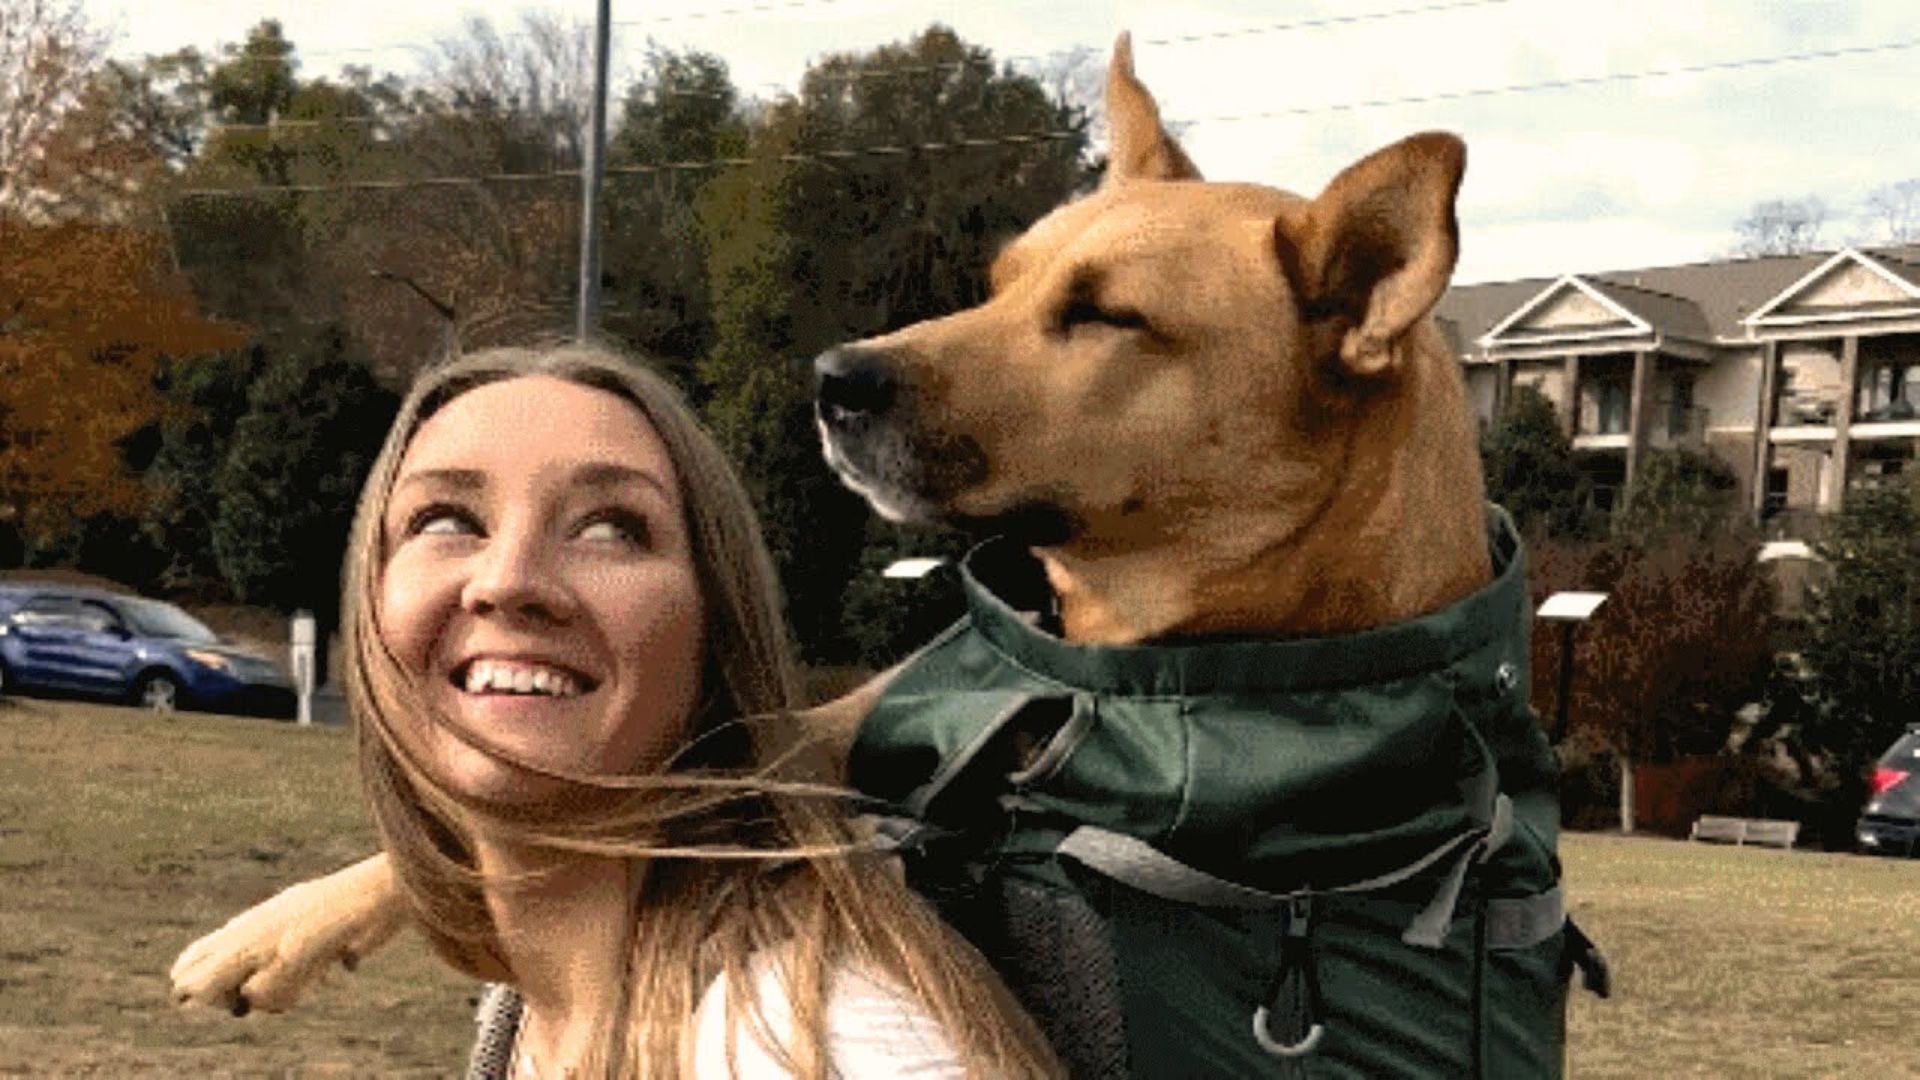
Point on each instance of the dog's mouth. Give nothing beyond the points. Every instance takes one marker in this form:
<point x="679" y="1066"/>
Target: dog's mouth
<point x="874" y="438"/>
<point x="927" y="480"/>
<point x="1035" y="523"/>
<point x="908" y="475"/>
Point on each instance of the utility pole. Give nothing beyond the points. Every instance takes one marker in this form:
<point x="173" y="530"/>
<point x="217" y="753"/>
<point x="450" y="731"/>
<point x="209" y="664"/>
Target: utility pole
<point x="589" y="317"/>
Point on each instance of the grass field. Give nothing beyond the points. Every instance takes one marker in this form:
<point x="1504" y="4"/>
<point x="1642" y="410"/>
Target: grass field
<point x="124" y="836"/>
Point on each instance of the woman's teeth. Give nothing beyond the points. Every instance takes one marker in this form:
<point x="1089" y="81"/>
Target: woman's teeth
<point x="507" y="677"/>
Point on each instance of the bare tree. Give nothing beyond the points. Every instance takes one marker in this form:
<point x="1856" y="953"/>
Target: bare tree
<point x="1781" y="227"/>
<point x="1076" y="77"/>
<point x="48" y="54"/>
<point x="536" y="81"/>
<point x="1893" y="212"/>
<point x="501" y="255"/>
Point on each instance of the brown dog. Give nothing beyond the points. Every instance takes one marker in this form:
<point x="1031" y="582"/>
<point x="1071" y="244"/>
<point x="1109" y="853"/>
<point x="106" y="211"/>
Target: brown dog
<point x="1212" y="409"/>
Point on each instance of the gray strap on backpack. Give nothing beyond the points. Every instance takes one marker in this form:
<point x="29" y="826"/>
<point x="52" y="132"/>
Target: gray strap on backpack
<point x="1493" y="814"/>
<point x="1512" y="923"/>
<point x="1525" y="921"/>
<point x="1429" y="928"/>
<point x="1134" y="862"/>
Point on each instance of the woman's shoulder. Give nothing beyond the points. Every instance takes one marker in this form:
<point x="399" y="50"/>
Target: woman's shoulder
<point x="874" y="1028"/>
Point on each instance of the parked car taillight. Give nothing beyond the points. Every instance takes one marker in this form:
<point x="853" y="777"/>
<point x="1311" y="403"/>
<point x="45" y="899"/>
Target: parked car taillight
<point x="1884" y="779"/>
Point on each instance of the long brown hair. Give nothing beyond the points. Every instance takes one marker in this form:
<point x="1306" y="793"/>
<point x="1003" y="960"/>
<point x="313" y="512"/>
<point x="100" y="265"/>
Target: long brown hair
<point x="750" y="855"/>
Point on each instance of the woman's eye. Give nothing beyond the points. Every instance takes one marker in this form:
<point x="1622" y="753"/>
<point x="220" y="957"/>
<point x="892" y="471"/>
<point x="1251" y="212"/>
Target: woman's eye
<point x="441" y="521"/>
<point x="619" y="528"/>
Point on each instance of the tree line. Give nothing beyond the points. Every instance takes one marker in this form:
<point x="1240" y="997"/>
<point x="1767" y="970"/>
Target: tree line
<point x="1888" y="214"/>
<point x="218" y="272"/>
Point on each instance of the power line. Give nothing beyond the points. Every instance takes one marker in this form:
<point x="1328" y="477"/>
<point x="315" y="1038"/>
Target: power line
<point x="817" y="157"/>
<point x="822" y="156"/>
<point x="1318" y="23"/>
<point x="1558" y="84"/>
<point x="720" y="13"/>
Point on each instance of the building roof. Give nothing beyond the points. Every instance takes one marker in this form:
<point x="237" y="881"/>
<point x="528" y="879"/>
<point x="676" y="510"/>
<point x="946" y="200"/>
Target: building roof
<point x="1699" y="301"/>
<point x="1906" y="263"/>
<point x="1672" y="314"/>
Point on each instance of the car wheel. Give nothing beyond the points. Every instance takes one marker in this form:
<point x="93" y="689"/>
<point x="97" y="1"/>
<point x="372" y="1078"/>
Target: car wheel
<point x="157" y="691"/>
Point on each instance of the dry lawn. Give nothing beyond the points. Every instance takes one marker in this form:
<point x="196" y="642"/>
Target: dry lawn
<point x="122" y="837"/>
<point x="1745" y="962"/>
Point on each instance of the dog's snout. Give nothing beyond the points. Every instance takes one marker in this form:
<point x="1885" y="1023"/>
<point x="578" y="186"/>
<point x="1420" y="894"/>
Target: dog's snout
<point x="852" y="382"/>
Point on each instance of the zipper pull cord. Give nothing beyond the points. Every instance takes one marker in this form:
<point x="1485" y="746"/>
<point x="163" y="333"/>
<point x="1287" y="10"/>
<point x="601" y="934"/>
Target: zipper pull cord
<point x="1296" y="962"/>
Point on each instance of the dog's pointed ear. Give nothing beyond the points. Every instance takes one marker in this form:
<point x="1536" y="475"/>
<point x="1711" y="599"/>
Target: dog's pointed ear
<point x="1377" y="247"/>
<point x="1140" y="148"/>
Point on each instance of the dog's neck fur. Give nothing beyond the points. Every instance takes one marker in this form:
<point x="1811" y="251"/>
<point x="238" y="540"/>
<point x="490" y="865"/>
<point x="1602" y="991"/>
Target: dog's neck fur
<point x="1403" y="534"/>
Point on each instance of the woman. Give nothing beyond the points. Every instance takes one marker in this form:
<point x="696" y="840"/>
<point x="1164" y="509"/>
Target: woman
<point x="558" y="611"/>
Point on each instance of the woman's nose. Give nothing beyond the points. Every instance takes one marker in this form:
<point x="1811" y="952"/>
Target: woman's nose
<point x="516" y="576"/>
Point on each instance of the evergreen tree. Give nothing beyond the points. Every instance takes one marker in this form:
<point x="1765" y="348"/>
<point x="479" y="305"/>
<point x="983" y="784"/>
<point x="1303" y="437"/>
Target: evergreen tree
<point x="203" y="403"/>
<point x="292" y="473"/>
<point x="683" y="111"/>
<point x="1863" y="647"/>
<point x="1678" y="494"/>
<point x="1531" y="469"/>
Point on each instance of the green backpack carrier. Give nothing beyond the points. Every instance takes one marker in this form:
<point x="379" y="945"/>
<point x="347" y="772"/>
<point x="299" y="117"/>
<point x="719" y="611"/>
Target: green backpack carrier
<point x="1315" y="858"/>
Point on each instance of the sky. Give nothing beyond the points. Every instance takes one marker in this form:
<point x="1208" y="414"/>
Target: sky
<point x="1606" y="175"/>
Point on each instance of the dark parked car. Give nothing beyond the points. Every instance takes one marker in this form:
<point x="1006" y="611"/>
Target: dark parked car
<point x="1891" y="824"/>
<point x="62" y="639"/>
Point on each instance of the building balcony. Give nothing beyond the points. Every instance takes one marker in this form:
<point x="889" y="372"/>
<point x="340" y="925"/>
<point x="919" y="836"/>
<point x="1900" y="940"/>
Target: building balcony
<point x="1802" y="409"/>
<point x="1668" y="426"/>
<point x="1681" y="426"/>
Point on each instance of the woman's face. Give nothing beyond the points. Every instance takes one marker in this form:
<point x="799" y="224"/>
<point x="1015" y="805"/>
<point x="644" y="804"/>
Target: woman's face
<point x="539" y="586"/>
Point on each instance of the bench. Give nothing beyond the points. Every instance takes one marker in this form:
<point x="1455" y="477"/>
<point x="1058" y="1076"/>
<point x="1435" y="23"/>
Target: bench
<point x="1732" y="830"/>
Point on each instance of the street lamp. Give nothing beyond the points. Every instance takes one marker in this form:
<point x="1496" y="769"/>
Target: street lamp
<point x="1570" y="609"/>
<point x="910" y="569"/>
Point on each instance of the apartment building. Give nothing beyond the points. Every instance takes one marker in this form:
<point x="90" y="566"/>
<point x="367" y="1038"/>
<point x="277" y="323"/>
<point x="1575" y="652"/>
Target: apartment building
<point x="1800" y="372"/>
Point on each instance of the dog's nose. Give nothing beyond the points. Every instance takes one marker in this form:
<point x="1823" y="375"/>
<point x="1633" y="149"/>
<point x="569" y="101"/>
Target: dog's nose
<point x="852" y="382"/>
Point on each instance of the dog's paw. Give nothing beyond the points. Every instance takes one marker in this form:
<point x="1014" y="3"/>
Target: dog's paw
<point x="267" y="956"/>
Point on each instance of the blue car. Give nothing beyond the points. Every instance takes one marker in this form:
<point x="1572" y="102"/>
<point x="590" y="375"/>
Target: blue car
<point x="61" y="639"/>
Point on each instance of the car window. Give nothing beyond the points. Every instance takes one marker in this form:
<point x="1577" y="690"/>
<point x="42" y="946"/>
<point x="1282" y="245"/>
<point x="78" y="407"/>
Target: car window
<point x="155" y="619"/>
<point x="49" y="611"/>
<point x="98" y="617"/>
<point x="1905" y="753"/>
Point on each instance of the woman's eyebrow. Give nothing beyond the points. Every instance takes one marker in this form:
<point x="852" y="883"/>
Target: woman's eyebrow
<point x="457" y="479"/>
<point x="610" y="474"/>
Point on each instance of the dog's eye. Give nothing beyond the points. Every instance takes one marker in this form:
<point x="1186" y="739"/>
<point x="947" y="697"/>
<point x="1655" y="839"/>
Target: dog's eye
<point x="1086" y="312"/>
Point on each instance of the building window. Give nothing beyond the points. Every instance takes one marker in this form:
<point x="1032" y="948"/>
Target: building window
<point x="1680" y="406"/>
<point x="1889" y="392"/>
<point x="1776" y="499"/>
<point x="1614" y="408"/>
